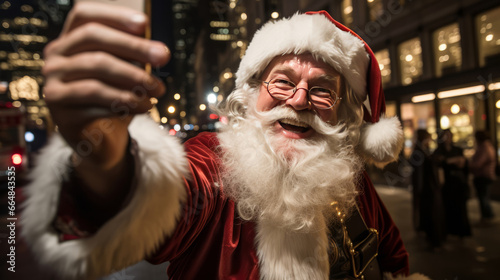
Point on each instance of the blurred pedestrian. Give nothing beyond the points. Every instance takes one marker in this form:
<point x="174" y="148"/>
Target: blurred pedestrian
<point x="455" y="188"/>
<point x="483" y="166"/>
<point x="428" y="211"/>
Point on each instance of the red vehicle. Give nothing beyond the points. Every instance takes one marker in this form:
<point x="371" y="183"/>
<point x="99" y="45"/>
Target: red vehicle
<point x="13" y="152"/>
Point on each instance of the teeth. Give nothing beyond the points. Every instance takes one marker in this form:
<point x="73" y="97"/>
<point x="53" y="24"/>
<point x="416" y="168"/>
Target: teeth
<point x="295" y="123"/>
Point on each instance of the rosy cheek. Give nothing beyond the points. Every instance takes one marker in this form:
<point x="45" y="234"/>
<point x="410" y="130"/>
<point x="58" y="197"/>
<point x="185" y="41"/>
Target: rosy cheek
<point x="265" y="102"/>
<point x="329" y="116"/>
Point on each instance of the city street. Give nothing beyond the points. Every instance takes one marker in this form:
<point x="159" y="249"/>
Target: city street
<point x="474" y="258"/>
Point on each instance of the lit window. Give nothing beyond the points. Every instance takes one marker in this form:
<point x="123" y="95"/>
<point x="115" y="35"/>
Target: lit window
<point x="462" y="115"/>
<point x="347" y="12"/>
<point x="417" y="116"/>
<point x="384" y="62"/>
<point x="488" y="37"/>
<point x="375" y="8"/>
<point x="447" y="50"/>
<point x="410" y="59"/>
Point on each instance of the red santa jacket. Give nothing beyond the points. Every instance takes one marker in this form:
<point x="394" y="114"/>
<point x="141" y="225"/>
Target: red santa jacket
<point x="210" y="241"/>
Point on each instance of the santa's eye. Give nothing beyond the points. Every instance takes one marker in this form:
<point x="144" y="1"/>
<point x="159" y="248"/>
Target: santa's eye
<point x="282" y="83"/>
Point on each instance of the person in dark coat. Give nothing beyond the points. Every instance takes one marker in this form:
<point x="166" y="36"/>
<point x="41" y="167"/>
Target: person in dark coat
<point x="428" y="211"/>
<point x="455" y="189"/>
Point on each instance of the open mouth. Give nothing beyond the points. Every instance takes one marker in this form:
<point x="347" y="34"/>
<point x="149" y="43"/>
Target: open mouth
<point x="294" y="126"/>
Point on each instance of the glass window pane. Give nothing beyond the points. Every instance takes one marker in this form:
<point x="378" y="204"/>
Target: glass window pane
<point x="417" y="116"/>
<point x="457" y="114"/>
<point x="488" y="37"/>
<point x="347" y="12"/>
<point x="410" y="59"/>
<point x="447" y="49"/>
<point x="375" y="8"/>
<point x="384" y="62"/>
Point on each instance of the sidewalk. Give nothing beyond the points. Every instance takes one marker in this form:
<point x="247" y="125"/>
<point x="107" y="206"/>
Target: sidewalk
<point x="474" y="258"/>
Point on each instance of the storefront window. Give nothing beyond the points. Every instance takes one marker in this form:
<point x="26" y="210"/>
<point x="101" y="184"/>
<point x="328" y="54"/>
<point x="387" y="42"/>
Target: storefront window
<point x="410" y="59"/>
<point x="375" y="8"/>
<point x="347" y="12"/>
<point x="384" y="62"/>
<point x="461" y="115"/>
<point x="417" y="116"/>
<point x="390" y="109"/>
<point x="447" y="50"/>
<point x="488" y="37"/>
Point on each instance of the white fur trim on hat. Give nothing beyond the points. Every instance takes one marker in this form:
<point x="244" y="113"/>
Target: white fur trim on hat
<point x="382" y="141"/>
<point x="127" y="238"/>
<point x="303" y="33"/>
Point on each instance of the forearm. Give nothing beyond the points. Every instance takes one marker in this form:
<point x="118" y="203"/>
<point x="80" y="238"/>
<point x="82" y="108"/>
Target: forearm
<point x="105" y="190"/>
<point x="106" y="172"/>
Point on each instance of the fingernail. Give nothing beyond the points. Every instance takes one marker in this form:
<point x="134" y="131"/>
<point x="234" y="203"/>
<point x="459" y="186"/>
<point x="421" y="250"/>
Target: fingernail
<point x="138" y="18"/>
<point x="157" y="54"/>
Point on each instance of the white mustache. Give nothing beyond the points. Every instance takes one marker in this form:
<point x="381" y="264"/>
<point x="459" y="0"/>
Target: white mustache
<point x="311" y="119"/>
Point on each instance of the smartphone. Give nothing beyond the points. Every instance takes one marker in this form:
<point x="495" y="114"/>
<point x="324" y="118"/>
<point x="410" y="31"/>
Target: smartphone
<point x="143" y="6"/>
<point x="138" y="5"/>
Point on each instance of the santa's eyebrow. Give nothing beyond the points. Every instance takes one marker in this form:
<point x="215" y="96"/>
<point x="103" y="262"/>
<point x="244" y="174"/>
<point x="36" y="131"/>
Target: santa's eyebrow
<point x="283" y="70"/>
<point x="329" y="77"/>
<point x="325" y="80"/>
<point x="290" y="72"/>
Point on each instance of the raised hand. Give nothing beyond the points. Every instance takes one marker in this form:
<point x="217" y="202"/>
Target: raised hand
<point x="92" y="89"/>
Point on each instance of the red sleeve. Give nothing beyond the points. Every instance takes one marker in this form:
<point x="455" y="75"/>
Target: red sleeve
<point x="202" y="201"/>
<point x="392" y="255"/>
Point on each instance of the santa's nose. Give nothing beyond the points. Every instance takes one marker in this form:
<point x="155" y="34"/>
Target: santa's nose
<point x="299" y="101"/>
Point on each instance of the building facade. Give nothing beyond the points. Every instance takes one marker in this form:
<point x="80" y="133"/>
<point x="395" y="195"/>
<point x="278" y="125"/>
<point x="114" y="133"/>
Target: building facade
<point x="440" y="64"/>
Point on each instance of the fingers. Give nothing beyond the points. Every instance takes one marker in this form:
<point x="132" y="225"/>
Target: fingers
<point x="118" y="17"/>
<point x="96" y="94"/>
<point x="104" y="67"/>
<point x="98" y="37"/>
<point x="88" y="64"/>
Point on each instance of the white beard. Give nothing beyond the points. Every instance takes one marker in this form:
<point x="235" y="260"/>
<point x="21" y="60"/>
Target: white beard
<point x="287" y="186"/>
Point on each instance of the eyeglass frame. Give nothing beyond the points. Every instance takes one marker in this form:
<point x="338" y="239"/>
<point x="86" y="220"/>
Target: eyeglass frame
<point x="335" y="100"/>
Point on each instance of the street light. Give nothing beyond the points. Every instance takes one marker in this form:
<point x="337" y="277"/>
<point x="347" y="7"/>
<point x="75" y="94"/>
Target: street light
<point x="212" y="98"/>
<point x="171" y="109"/>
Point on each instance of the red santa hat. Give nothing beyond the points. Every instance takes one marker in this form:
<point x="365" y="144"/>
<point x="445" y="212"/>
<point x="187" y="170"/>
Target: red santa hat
<point x="326" y="39"/>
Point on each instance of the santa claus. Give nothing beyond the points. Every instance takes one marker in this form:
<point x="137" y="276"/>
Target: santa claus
<point x="278" y="193"/>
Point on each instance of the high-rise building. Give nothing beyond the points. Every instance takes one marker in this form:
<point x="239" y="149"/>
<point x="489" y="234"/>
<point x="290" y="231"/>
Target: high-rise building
<point x="25" y="28"/>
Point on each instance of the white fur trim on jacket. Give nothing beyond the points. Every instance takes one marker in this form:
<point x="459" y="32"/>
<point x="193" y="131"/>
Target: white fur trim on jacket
<point x="381" y="142"/>
<point x="303" y="33"/>
<point x="128" y="237"/>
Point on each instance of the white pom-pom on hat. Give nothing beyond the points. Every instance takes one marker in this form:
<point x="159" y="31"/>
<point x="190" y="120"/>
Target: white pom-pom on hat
<point x="382" y="141"/>
<point x="327" y="40"/>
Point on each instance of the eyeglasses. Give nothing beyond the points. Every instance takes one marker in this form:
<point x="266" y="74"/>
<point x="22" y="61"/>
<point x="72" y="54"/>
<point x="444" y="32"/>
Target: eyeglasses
<point x="321" y="98"/>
